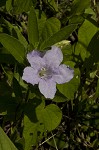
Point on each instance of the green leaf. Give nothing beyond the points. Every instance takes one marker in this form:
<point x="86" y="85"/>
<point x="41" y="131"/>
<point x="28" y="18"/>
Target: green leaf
<point x="59" y="36"/>
<point x="97" y="89"/>
<point x="33" y="128"/>
<point x="93" y="48"/>
<point x="85" y="34"/>
<point x="8" y="5"/>
<point x="32" y="133"/>
<point x="59" y="98"/>
<point x="77" y="19"/>
<point x="21" y="82"/>
<point x="22" y="6"/>
<point x="16" y="32"/>
<point x="9" y="75"/>
<point x="5" y="142"/>
<point x="68" y="89"/>
<point x="52" y="25"/>
<point x="79" y="7"/>
<point x="38" y="119"/>
<point x="91" y="12"/>
<point x="41" y="19"/>
<point x="20" y="37"/>
<point x="33" y="33"/>
<point x="13" y="46"/>
<point x="51" y="117"/>
<point x="53" y="5"/>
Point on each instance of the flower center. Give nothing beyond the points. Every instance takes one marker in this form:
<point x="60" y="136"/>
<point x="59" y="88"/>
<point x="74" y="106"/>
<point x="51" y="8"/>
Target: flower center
<point x="45" y="73"/>
<point x="42" y="72"/>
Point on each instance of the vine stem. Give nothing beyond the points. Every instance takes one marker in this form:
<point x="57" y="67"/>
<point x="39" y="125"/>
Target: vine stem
<point x="54" y="141"/>
<point x="47" y="140"/>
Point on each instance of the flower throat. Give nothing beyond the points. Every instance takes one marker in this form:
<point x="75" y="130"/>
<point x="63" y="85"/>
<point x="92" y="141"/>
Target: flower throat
<point x="42" y="72"/>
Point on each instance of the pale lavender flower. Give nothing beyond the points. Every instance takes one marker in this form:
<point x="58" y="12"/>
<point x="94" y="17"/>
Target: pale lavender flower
<point x="46" y="70"/>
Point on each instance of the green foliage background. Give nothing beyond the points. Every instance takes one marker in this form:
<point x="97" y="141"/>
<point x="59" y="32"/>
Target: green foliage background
<point x="71" y="120"/>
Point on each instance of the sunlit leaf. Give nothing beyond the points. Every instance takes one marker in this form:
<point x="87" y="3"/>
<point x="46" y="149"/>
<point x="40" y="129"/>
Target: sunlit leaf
<point x="51" y="117"/>
<point x="33" y="128"/>
<point x="85" y="34"/>
<point x="32" y="132"/>
<point x="5" y="142"/>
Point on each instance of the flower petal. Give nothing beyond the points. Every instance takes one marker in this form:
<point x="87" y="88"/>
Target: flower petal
<point x="34" y="53"/>
<point x="35" y="59"/>
<point x="30" y="75"/>
<point x="53" y="57"/>
<point x="63" y="74"/>
<point x="47" y="88"/>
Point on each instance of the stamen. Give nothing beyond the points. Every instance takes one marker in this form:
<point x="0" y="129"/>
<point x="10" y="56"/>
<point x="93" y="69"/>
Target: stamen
<point x="42" y="72"/>
<point x="45" y="73"/>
